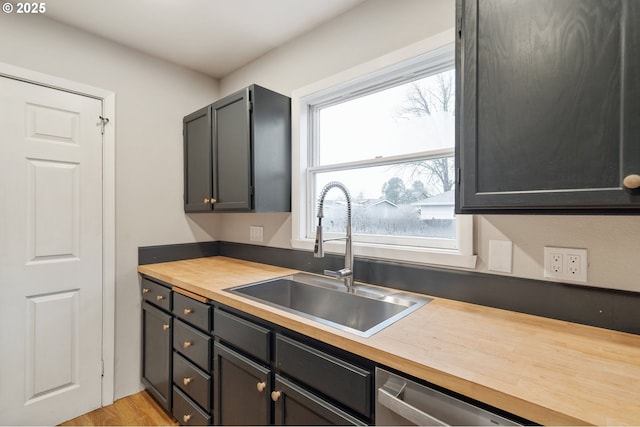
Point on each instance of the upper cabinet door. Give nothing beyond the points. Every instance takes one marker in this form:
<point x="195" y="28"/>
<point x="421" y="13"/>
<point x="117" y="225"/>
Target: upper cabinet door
<point x="197" y="161"/>
<point x="232" y="180"/>
<point x="548" y="116"/>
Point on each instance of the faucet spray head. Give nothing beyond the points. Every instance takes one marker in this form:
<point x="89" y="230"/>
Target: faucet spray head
<point x="318" y="249"/>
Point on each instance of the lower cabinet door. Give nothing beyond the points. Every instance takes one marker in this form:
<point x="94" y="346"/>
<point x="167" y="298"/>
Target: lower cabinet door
<point x="296" y="406"/>
<point x="242" y="389"/>
<point x="187" y="412"/>
<point x="156" y="353"/>
<point x="193" y="381"/>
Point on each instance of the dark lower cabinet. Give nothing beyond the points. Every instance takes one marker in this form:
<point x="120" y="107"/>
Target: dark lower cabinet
<point x="242" y="395"/>
<point x="195" y="382"/>
<point x="156" y="353"/>
<point x="187" y="412"/>
<point x="222" y="366"/>
<point x="295" y="405"/>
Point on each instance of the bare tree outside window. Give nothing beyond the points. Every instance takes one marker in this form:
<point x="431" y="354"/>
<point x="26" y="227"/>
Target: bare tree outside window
<point x="412" y="198"/>
<point x="424" y="98"/>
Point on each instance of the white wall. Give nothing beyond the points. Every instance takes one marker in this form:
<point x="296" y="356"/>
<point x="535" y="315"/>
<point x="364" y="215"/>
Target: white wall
<point x="152" y="96"/>
<point x="373" y="29"/>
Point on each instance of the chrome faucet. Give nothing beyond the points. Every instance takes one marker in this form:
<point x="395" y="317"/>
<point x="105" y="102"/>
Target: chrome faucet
<point x="346" y="274"/>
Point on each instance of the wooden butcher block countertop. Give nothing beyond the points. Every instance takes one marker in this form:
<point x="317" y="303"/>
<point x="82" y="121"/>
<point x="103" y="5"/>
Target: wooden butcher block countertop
<point x="548" y="371"/>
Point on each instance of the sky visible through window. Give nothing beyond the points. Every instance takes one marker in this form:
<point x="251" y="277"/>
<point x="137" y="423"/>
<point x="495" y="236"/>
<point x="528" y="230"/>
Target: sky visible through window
<point x="413" y="198"/>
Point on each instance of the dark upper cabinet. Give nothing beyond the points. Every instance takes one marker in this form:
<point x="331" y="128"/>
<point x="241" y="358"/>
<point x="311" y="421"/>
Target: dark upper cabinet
<point x="237" y="154"/>
<point x="547" y="105"/>
<point x="198" y="183"/>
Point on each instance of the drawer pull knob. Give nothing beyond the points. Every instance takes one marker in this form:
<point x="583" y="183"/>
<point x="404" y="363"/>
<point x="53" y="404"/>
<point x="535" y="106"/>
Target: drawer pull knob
<point x="186" y="418"/>
<point x="165" y="326"/>
<point x="261" y="385"/>
<point x="186" y="380"/>
<point x="160" y="297"/>
<point x="275" y="395"/>
<point x="186" y="344"/>
<point x="145" y="290"/>
<point x="187" y="311"/>
<point x="632" y="181"/>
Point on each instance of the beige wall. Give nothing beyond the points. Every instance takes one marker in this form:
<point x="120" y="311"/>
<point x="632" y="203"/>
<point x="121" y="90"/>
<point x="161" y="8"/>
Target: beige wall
<point x="373" y="29"/>
<point x="152" y="96"/>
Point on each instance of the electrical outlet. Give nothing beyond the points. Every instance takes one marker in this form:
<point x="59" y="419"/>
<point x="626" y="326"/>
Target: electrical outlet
<point x="565" y="264"/>
<point x="556" y="262"/>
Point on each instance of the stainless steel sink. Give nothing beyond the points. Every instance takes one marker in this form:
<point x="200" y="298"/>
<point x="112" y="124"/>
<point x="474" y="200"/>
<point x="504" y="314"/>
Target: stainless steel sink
<point x="363" y="312"/>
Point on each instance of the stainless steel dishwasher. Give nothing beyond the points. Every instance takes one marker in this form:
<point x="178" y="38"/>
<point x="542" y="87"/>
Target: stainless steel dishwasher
<point x="400" y="401"/>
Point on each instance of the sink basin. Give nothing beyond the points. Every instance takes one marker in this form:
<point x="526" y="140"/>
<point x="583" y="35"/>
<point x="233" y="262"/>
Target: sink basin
<point x="363" y="312"/>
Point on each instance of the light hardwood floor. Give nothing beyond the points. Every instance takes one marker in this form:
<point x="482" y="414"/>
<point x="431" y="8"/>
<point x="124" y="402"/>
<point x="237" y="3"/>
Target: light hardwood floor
<point x="136" y="410"/>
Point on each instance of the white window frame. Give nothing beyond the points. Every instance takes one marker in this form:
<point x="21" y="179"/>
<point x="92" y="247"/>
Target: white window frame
<point x="438" y="50"/>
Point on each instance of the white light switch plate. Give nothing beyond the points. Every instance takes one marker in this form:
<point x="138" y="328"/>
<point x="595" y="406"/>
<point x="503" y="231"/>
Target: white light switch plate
<point x="500" y="255"/>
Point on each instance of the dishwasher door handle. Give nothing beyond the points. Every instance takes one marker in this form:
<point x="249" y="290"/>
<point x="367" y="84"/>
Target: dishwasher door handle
<point x="407" y="411"/>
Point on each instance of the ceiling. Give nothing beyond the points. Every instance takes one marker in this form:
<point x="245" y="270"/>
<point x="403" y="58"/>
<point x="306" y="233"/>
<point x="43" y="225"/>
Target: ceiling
<point x="214" y="37"/>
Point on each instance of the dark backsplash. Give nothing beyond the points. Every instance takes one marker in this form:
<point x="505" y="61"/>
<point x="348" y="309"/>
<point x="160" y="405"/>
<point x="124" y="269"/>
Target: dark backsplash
<point x="605" y="308"/>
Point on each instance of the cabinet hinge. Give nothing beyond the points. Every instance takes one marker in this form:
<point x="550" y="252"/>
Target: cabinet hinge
<point x="250" y="106"/>
<point x="459" y="26"/>
<point x="458" y="176"/>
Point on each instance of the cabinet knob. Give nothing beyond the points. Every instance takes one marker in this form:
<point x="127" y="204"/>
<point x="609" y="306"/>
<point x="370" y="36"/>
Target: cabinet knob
<point x="165" y="326"/>
<point x="186" y="418"/>
<point x="631" y="181"/>
<point x="206" y="201"/>
<point x="213" y="201"/>
<point x="186" y="344"/>
<point x="186" y="380"/>
<point x="261" y="385"/>
<point x="275" y="395"/>
<point x="187" y="311"/>
<point x="145" y="291"/>
<point x="160" y="297"/>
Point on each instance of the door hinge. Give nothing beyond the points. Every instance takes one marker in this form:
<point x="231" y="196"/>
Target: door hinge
<point x="103" y="122"/>
<point x="102" y="368"/>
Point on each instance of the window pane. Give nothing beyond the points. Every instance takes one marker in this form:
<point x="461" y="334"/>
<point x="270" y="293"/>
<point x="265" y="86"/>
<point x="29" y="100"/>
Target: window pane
<point x="408" y="199"/>
<point x="412" y="117"/>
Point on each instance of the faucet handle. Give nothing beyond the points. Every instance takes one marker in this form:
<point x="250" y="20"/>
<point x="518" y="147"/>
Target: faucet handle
<point x="340" y="274"/>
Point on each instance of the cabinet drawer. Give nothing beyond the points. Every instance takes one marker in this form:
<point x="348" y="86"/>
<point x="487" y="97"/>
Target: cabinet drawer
<point x="193" y="381"/>
<point x="245" y="335"/>
<point x="187" y="412"/>
<point x="192" y="344"/>
<point x="156" y="294"/>
<point x="335" y="378"/>
<point x="195" y="312"/>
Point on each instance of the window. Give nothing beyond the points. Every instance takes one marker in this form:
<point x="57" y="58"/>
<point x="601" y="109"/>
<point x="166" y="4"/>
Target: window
<point x="388" y="135"/>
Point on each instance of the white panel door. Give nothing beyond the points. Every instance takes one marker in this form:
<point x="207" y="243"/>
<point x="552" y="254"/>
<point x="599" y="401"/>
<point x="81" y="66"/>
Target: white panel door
<point x="50" y="254"/>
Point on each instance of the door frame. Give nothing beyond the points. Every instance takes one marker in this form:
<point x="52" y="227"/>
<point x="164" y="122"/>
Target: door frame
<point x="108" y="99"/>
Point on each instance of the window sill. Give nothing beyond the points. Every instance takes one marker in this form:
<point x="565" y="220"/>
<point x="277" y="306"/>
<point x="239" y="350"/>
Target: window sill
<point x="413" y="255"/>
